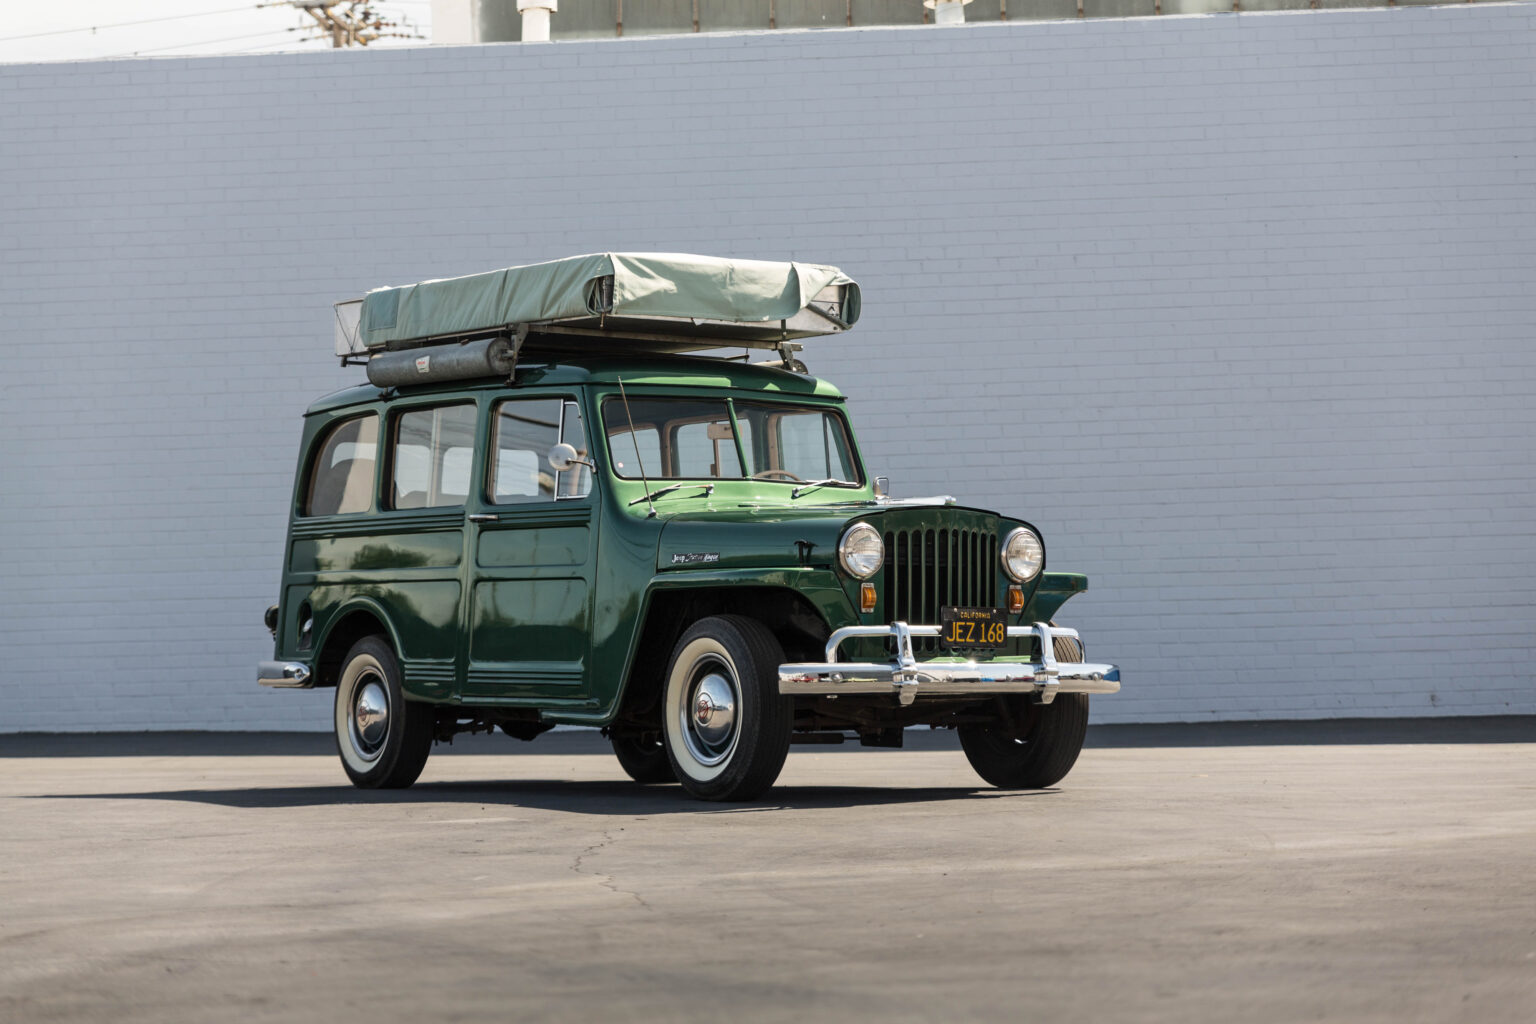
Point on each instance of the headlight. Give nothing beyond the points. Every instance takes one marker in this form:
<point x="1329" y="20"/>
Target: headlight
<point x="861" y="550"/>
<point x="1023" y="554"/>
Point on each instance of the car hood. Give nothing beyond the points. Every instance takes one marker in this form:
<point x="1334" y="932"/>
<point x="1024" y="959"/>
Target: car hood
<point x="779" y="536"/>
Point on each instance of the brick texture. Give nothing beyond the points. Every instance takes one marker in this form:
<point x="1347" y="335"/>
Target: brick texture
<point x="1236" y="309"/>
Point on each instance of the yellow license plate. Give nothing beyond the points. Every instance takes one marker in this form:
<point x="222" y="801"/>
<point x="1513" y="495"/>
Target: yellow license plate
<point x="972" y="629"/>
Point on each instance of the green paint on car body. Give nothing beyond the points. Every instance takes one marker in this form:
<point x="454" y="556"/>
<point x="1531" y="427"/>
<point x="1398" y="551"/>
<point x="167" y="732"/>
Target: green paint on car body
<point x="547" y="608"/>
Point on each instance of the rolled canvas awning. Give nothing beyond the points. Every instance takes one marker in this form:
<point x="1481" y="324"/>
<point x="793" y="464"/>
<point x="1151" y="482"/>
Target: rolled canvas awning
<point x="676" y="301"/>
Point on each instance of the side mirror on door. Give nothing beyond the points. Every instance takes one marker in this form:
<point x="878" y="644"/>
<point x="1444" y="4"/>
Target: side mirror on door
<point x="563" y="456"/>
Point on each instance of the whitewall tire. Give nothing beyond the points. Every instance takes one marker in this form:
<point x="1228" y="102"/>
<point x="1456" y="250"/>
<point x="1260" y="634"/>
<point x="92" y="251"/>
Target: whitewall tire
<point x="726" y="726"/>
<point x="382" y="738"/>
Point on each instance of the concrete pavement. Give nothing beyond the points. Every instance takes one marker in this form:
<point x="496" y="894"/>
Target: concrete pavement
<point x="1370" y="881"/>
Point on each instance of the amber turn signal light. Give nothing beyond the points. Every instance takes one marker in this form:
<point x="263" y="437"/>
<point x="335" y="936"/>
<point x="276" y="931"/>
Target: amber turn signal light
<point x="1015" y="600"/>
<point x="867" y="598"/>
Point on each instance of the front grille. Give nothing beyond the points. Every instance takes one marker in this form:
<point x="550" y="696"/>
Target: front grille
<point x="928" y="569"/>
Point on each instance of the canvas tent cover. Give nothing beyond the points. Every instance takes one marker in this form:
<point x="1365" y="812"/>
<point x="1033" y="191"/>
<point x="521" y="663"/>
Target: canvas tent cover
<point x="698" y="301"/>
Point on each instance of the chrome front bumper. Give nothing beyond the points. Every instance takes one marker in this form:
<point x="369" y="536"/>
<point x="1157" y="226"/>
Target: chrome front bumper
<point x="289" y="675"/>
<point x="906" y="677"/>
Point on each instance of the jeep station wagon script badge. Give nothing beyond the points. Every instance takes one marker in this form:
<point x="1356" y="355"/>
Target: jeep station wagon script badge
<point x="519" y="522"/>
<point x="972" y="629"/>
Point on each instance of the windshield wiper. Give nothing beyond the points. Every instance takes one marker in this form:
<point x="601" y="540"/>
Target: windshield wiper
<point x="658" y="492"/>
<point x="811" y="485"/>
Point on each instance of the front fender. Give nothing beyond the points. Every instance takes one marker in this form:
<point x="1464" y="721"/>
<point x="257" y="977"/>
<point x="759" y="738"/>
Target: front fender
<point x="821" y="587"/>
<point x="1053" y="591"/>
<point x="818" y="587"/>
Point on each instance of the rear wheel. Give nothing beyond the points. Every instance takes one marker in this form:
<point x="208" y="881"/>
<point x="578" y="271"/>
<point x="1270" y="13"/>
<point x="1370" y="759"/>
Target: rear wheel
<point x="726" y="726"/>
<point x="643" y="756"/>
<point x="383" y="738"/>
<point x="1037" y="751"/>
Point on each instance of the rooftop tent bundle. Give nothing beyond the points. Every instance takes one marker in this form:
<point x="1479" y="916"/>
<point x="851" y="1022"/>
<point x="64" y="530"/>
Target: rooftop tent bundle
<point x="621" y="303"/>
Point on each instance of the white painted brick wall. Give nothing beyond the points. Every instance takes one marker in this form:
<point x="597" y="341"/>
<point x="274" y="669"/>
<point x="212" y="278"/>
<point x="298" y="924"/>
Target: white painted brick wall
<point x="1237" y="309"/>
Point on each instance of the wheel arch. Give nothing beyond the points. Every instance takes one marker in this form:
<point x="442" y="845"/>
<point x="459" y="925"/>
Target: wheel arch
<point x="794" y="620"/>
<point x="352" y="622"/>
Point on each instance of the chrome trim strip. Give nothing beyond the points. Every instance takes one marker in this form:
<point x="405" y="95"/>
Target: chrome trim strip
<point x="288" y="675"/>
<point x="906" y="676"/>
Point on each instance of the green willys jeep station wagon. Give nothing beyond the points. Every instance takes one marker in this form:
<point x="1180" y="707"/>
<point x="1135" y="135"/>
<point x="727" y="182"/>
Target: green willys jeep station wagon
<point x="550" y="506"/>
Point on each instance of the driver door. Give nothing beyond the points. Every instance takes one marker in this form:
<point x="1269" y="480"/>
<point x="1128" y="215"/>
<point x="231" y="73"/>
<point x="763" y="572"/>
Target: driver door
<point x="534" y="544"/>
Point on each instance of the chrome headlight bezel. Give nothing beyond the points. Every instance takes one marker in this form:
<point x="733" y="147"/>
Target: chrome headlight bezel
<point x="854" y="562"/>
<point x="1027" y="539"/>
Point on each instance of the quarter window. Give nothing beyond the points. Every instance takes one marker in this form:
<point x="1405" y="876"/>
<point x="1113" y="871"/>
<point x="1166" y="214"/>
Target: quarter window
<point x="430" y="463"/>
<point x="526" y="429"/>
<point x="341" y="478"/>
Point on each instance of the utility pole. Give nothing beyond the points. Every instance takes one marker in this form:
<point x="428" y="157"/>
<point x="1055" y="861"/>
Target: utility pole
<point x="348" y="22"/>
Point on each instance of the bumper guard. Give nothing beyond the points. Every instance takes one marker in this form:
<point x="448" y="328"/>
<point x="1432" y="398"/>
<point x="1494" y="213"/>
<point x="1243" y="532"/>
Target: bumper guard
<point x="906" y="677"/>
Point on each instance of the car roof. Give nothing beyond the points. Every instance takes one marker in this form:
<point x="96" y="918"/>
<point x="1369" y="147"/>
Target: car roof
<point x="664" y="371"/>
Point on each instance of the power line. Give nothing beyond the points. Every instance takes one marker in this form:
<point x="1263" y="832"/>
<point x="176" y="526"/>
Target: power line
<point x="202" y="42"/>
<point x="126" y="24"/>
<point x="268" y="46"/>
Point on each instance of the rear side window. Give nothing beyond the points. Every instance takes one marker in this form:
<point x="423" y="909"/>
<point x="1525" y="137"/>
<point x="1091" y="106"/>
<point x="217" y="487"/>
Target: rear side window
<point x="341" y="477"/>
<point x="430" y="463"/>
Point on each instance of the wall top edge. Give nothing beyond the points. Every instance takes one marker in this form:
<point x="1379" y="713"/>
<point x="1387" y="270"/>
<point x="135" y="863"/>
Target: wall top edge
<point x="824" y="36"/>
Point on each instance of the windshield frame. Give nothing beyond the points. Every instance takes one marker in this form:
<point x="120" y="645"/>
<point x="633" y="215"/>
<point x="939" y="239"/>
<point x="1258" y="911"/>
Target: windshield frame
<point x="615" y="422"/>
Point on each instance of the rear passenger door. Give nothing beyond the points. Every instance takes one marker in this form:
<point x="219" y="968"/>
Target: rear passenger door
<point x="400" y="555"/>
<point x="414" y="557"/>
<point x="533" y="544"/>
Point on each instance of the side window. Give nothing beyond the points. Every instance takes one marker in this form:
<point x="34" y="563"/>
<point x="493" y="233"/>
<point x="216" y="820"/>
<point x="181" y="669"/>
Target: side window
<point x="577" y="481"/>
<point x="526" y="429"/>
<point x="341" y="477"/>
<point x="430" y="460"/>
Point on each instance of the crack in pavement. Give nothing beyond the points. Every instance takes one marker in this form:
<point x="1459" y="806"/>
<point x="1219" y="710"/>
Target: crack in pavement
<point x="606" y="881"/>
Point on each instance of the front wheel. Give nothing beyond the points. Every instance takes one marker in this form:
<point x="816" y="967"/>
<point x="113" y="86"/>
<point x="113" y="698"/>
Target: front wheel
<point x="726" y="726"/>
<point x="383" y="739"/>
<point x="1037" y="752"/>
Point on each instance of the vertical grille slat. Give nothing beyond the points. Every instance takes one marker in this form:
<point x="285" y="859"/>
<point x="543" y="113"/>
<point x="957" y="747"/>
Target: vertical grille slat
<point x="977" y="545"/>
<point x="946" y="553"/>
<point x="975" y="568"/>
<point x="907" y="564"/>
<point x="963" y="589"/>
<point x="993" y="556"/>
<point x="962" y="565"/>
<point x="930" y="551"/>
<point x="960" y="560"/>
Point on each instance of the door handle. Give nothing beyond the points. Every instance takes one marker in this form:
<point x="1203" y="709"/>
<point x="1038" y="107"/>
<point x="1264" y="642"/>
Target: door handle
<point x="484" y="517"/>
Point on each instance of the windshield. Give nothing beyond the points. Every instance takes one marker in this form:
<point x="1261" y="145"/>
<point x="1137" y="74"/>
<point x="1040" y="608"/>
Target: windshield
<point x="696" y="439"/>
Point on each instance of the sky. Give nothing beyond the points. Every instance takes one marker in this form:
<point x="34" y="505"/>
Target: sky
<point x="46" y="30"/>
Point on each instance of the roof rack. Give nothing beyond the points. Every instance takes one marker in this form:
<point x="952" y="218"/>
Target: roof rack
<point x="609" y="303"/>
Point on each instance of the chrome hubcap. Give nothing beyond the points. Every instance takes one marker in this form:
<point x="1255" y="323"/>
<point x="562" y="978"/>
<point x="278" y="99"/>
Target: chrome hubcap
<point x="709" y="726"/>
<point x="370" y="717"/>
